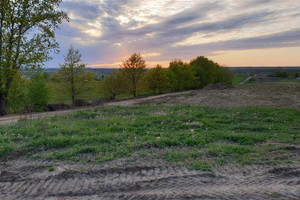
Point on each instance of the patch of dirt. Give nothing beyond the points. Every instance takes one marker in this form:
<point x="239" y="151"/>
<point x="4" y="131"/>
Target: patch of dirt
<point x="266" y="94"/>
<point x="218" y="86"/>
<point x="80" y="181"/>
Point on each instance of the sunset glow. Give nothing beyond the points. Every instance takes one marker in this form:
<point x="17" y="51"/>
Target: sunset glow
<point x="232" y="32"/>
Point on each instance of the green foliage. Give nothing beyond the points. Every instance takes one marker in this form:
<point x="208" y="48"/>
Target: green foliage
<point x="19" y="47"/>
<point x="133" y="70"/>
<point x="238" y="79"/>
<point x="72" y="79"/>
<point x="157" y="79"/>
<point x="201" y="165"/>
<point x="181" y="76"/>
<point x="209" y="72"/>
<point x="113" y="85"/>
<point x="281" y="73"/>
<point x="205" y="70"/>
<point x="51" y="169"/>
<point x="38" y="94"/>
<point x="17" y="95"/>
<point x="224" y="75"/>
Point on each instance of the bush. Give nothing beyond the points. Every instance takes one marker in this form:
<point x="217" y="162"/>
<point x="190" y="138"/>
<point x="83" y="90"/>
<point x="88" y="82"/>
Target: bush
<point x="157" y="79"/>
<point x="296" y="74"/>
<point x="181" y="76"/>
<point x="113" y="85"/>
<point x="38" y="94"/>
<point x="281" y="73"/>
<point x="17" y="94"/>
<point x="209" y="72"/>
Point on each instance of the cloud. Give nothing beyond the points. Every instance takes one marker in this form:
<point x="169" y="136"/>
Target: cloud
<point x="108" y="31"/>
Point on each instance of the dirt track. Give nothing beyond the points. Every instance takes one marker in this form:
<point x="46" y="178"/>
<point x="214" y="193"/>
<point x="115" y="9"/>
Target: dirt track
<point x="30" y="116"/>
<point x="32" y="180"/>
<point x="274" y="94"/>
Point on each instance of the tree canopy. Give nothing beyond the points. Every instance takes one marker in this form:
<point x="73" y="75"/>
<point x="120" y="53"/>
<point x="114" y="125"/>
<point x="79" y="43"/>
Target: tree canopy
<point x="72" y="79"/>
<point x="157" y="79"/>
<point x="27" y="37"/>
<point x="113" y="85"/>
<point x="133" y="70"/>
<point x="181" y="75"/>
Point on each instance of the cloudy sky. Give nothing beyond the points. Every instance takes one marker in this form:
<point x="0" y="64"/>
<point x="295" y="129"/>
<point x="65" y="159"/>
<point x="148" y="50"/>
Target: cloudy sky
<point x="231" y="32"/>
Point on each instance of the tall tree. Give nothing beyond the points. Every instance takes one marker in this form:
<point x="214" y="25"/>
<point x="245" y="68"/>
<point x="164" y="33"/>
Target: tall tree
<point x="27" y="37"/>
<point x="72" y="79"/>
<point x="208" y="71"/>
<point x="38" y="93"/>
<point x="181" y="76"/>
<point x="113" y="85"/>
<point x="157" y="79"/>
<point x="17" y="95"/>
<point x="133" y="70"/>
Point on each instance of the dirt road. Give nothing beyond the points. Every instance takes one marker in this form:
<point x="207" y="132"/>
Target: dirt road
<point x="273" y="94"/>
<point x="32" y="180"/>
<point x="30" y="116"/>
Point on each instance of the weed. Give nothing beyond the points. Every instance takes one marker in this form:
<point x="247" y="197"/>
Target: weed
<point x="51" y="169"/>
<point x="201" y="165"/>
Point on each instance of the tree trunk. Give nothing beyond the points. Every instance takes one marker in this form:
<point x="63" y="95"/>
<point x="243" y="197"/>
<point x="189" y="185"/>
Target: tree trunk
<point x="73" y="101"/>
<point x="3" y="104"/>
<point x="134" y="93"/>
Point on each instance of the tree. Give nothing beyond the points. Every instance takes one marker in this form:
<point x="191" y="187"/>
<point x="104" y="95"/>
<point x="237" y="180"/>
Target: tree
<point x="181" y="76"/>
<point x="72" y="79"/>
<point x="157" y="79"/>
<point x="133" y="70"/>
<point x="17" y="94"/>
<point x="38" y="94"/>
<point x="205" y="70"/>
<point x="113" y="85"/>
<point x="27" y="37"/>
<point x="224" y="75"/>
<point x="281" y="73"/>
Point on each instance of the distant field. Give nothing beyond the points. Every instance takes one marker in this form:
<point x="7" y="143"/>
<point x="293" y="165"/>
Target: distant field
<point x="199" y="137"/>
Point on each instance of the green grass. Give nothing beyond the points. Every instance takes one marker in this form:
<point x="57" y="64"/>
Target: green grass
<point x="237" y="79"/>
<point x="51" y="169"/>
<point x="200" y="137"/>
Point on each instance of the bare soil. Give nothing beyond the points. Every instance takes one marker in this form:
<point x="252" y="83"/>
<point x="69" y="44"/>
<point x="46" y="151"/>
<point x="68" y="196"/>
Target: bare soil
<point x="271" y="94"/>
<point x="22" y="178"/>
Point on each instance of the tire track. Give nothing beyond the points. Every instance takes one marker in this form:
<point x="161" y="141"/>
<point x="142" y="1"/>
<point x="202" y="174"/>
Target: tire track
<point x="228" y="182"/>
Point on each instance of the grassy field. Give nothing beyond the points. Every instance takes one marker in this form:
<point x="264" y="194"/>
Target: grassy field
<point x="196" y="136"/>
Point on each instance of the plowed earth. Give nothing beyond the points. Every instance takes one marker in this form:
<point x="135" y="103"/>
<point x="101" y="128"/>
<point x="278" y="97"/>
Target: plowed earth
<point x="32" y="180"/>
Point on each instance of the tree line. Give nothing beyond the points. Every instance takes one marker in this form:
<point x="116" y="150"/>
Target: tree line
<point x="30" y="91"/>
<point x="27" y="39"/>
<point x="133" y="76"/>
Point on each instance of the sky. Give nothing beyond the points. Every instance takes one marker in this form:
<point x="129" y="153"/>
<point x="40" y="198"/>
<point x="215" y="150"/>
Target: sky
<point x="230" y="32"/>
